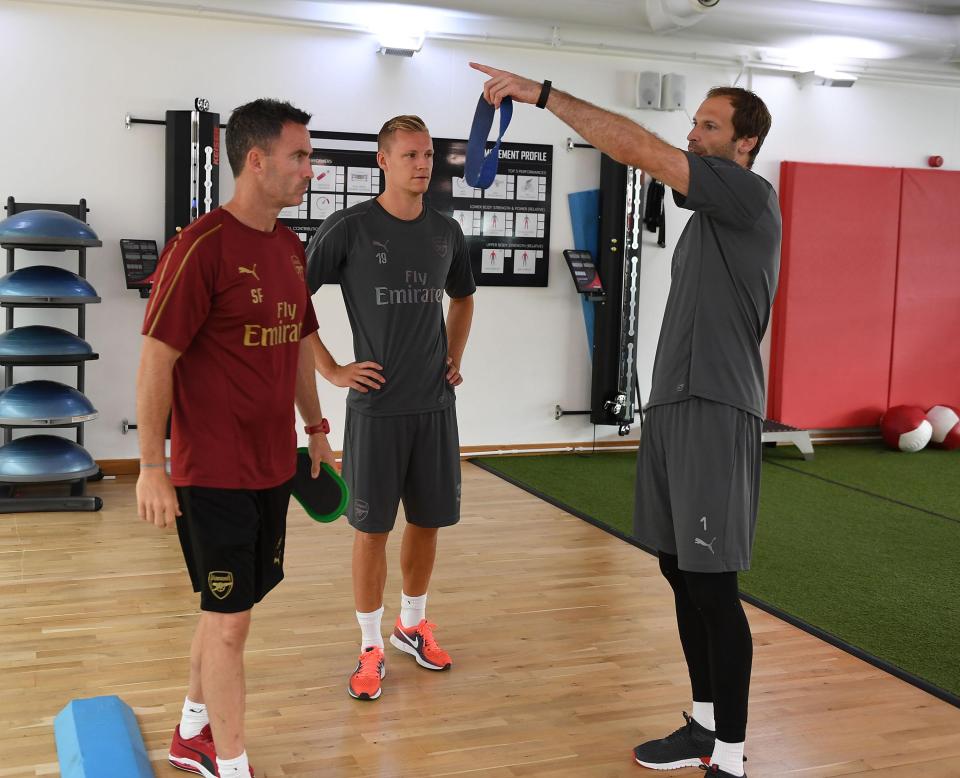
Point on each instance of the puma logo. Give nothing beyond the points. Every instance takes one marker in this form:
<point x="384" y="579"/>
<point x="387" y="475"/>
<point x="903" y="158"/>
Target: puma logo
<point x="250" y="271"/>
<point x="382" y="254"/>
<point x="205" y="760"/>
<point x="704" y="543"/>
<point x="381" y="245"/>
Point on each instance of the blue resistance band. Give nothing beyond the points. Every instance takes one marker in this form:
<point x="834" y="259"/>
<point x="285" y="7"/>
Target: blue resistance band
<point x="480" y="169"/>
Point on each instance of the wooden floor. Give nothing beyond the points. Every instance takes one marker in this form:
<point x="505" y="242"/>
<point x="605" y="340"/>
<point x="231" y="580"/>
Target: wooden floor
<point x="563" y="638"/>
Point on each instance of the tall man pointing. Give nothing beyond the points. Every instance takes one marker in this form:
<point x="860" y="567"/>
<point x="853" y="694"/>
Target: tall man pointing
<point x="698" y="469"/>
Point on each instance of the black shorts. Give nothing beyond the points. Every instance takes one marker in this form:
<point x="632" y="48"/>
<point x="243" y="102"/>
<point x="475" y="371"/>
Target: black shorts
<point x="414" y="458"/>
<point x="232" y="542"/>
<point x="698" y="484"/>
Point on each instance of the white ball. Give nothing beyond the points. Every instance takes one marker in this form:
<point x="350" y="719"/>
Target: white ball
<point x="946" y="426"/>
<point x="916" y="439"/>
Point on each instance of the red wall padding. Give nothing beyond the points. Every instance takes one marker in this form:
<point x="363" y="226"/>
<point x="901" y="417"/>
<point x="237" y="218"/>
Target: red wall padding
<point x="925" y="365"/>
<point x="832" y="324"/>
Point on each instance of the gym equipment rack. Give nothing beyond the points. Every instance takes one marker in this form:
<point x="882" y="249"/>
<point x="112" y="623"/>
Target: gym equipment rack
<point x="10" y="498"/>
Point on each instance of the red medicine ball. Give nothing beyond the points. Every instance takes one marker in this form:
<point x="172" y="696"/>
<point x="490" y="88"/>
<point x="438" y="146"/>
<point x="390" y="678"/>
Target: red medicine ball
<point x="905" y="428"/>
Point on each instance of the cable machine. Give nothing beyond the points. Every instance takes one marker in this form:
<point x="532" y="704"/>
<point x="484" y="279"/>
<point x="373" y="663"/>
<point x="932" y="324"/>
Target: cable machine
<point x="612" y="285"/>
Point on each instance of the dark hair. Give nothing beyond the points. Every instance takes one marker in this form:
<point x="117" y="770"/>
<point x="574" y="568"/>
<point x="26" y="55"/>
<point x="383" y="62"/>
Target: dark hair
<point x="258" y="124"/>
<point x="751" y="118"/>
<point x="407" y="122"/>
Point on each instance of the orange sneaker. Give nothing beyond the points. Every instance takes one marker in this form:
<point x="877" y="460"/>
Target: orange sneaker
<point x="365" y="680"/>
<point x="419" y="642"/>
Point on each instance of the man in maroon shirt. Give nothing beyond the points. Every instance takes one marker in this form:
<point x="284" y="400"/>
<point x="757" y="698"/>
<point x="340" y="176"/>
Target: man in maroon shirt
<point x="226" y="346"/>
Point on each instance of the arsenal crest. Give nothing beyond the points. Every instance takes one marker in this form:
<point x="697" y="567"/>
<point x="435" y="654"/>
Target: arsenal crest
<point x="297" y="264"/>
<point x="220" y="583"/>
<point x="440" y="245"/>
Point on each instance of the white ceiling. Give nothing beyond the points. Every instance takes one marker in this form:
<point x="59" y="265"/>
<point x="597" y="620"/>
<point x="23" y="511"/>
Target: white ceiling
<point x="906" y="40"/>
<point x="920" y="30"/>
<point x="629" y="13"/>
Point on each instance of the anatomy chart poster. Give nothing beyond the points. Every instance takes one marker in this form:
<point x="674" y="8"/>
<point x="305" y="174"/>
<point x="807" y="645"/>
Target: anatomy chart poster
<point x="507" y="225"/>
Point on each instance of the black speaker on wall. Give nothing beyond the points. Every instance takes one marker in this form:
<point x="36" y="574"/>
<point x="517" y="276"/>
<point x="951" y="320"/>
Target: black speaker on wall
<point x="192" y="167"/>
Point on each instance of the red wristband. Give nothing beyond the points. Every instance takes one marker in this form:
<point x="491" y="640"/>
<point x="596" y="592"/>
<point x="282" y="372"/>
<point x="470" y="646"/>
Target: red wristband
<point x="313" y="429"/>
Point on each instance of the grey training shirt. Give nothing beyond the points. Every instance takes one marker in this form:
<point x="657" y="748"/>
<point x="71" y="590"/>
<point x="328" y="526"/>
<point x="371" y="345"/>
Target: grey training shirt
<point x="724" y="277"/>
<point x="393" y="274"/>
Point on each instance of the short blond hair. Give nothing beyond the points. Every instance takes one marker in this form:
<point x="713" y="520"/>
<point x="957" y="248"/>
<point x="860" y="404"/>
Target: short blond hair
<point x="406" y="122"/>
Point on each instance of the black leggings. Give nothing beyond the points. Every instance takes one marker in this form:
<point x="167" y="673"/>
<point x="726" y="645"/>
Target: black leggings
<point x="716" y="643"/>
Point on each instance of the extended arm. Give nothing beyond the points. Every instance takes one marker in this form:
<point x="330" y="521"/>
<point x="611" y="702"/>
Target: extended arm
<point x="614" y="135"/>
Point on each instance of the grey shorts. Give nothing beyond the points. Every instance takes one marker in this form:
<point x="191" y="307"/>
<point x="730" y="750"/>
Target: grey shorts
<point x="414" y="458"/>
<point x="698" y="484"/>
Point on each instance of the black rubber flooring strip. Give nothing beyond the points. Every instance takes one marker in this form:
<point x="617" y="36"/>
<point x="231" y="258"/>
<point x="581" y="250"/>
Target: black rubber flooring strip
<point x="852" y="488"/>
<point x="827" y="637"/>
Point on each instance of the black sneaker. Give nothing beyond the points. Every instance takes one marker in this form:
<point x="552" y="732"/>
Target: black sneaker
<point x="689" y="746"/>
<point x="714" y="771"/>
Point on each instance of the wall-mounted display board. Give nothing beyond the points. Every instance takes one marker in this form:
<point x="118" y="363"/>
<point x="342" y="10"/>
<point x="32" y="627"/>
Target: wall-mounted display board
<point x="507" y="226"/>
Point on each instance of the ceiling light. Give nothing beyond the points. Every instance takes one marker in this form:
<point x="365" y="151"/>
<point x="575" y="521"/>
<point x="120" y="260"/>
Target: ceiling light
<point x="400" y="44"/>
<point x="834" y="78"/>
<point x="400" y="31"/>
<point x="825" y="78"/>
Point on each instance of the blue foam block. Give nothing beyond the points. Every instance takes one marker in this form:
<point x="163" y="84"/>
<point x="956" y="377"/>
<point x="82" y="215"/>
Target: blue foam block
<point x="585" y="220"/>
<point x="99" y="738"/>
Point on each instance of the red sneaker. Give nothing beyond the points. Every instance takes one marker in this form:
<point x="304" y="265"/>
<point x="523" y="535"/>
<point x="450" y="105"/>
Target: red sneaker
<point x="419" y="642"/>
<point x="196" y="755"/>
<point x="365" y="681"/>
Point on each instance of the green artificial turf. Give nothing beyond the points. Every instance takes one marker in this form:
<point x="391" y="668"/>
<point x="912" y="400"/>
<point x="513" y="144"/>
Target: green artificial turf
<point x="928" y="479"/>
<point x="862" y="542"/>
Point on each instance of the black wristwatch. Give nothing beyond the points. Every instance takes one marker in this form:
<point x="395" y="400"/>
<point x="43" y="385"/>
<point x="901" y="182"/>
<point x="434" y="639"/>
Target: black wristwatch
<point x="544" y="94"/>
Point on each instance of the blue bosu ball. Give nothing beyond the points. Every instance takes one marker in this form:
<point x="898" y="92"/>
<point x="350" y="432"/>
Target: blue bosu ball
<point x="43" y="403"/>
<point x="44" y="458"/>
<point x="41" y="227"/>
<point x="46" y="285"/>
<point x="39" y="340"/>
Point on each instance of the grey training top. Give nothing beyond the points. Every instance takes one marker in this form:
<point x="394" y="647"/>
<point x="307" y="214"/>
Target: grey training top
<point x="724" y="276"/>
<point x="393" y="274"/>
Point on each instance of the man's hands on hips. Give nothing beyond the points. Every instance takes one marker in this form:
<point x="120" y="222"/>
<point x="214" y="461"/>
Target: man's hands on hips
<point x="453" y="373"/>
<point x="502" y="84"/>
<point x="156" y="497"/>
<point x="362" y="376"/>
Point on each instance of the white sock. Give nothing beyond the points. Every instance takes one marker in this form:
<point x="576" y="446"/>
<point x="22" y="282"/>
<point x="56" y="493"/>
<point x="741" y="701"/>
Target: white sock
<point x="703" y="715"/>
<point x="728" y="757"/>
<point x="193" y="718"/>
<point x="370" y="628"/>
<point x="413" y="610"/>
<point x="234" y="768"/>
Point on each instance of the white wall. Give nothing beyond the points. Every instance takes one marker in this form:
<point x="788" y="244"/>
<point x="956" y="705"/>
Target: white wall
<point x="71" y="75"/>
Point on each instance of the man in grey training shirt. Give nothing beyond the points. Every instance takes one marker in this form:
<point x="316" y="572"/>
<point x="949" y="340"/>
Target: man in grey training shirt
<point x="698" y="469"/>
<point x="394" y="258"/>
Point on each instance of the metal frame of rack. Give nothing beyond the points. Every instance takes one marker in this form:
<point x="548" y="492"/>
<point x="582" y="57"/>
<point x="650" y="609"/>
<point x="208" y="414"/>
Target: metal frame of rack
<point x="76" y="500"/>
